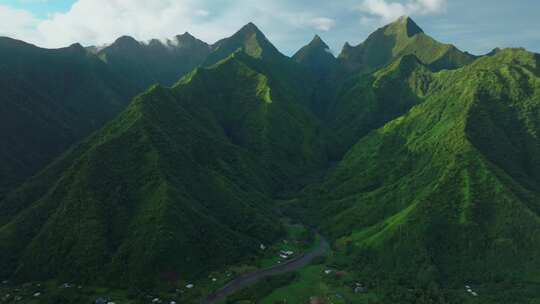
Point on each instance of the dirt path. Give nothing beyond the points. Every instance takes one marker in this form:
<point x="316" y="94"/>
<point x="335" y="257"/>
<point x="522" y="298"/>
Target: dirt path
<point x="253" y="277"/>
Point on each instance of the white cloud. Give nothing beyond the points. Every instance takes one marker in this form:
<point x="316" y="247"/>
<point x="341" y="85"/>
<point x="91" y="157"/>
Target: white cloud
<point x="100" y="22"/>
<point x="388" y="11"/>
<point x="17" y="23"/>
<point x="322" y="23"/>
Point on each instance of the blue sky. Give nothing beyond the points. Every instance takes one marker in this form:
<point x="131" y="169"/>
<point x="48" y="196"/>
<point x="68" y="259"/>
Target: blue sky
<point x="40" y="8"/>
<point x="476" y="26"/>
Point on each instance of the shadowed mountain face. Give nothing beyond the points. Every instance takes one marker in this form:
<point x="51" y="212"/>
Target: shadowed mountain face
<point x="316" y="56"/>
<point x="51" y="99"/>
<point x="155" y="61"/>
<point x="54" y="98"/>
<point x="436" y="179"/>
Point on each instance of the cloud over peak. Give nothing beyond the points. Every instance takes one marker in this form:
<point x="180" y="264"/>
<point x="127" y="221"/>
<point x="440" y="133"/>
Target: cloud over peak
<point x="390" y="10"/>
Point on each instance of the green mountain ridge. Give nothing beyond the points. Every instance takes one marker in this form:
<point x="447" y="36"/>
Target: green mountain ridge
<point x="56" y="97"/>
<point x="316" y="56"/>
<point x="446" y="183"/>
<point x="420" y="163"/>
<point x="52" y="98"/>
<point x="155" y="61"/>
<point x="181" y="170"/>
<point x="397" y="39"/>
<point x="250" y="40"/>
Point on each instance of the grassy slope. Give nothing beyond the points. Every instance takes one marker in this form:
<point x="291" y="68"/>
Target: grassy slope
<point x="430" y="196"/>
<point x="174" y="186"/>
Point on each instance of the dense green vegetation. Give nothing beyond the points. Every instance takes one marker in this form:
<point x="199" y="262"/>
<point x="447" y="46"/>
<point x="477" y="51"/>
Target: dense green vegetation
<point x="177" y="185"/>
<point x="403" y="37"/>
<point x="50" y="99"/>
<point x="317" y="57"/>
<point x="54" y="98"/>
<point x="420" y="163"/>
<point x="440" y="196"/>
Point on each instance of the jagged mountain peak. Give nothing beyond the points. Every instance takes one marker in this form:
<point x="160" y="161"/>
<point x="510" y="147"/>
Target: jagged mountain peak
<point x="250" y="39"/>
<point x="250" y="27"/>
<point x="397" y="39"/>
<point x="318" y="42"/>
<point x="408" y="24"/>
<point x="316" y="55"/>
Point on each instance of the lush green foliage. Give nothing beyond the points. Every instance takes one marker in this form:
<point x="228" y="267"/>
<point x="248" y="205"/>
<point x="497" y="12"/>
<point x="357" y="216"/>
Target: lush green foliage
<point x="447" y="193"/>
<point x="54" y="98"/>
<point x="434" y="158"/>
<point x="50" y="99"/>
<point x="397" y="39"/>
<point x="177" y="185"/>
<point x="316" y="56"/>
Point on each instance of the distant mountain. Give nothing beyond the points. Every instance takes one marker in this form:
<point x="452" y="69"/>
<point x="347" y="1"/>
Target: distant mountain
<point x="179" y="183"/>
<point x="449" y="192"/>
<point x="248" y="39"/>
<point x="316" y="56"/>
<point x="51" y="99"/>
<point x="54" y="98"/>
<point x="397" y="39"/>
<point x="162" y="62"/>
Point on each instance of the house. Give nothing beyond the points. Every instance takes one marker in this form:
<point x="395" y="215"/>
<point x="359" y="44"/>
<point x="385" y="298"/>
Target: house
<point x="262" y="247"/>
<point x="189" y="286"/>
<point x="359" y="288"/>
<point x="101" y="301"/>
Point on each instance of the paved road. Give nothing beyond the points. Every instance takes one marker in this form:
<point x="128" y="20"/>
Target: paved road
<point x="252" y="278"/>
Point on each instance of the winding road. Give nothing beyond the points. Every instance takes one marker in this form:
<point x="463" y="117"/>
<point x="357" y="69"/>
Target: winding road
<point x="253" y="277"/>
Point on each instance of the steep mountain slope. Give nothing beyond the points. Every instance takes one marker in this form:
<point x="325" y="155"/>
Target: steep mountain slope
<point x="449" y="192"/>
<point x="317" y="56"/>
<point x="178" y="184"/>
<point x="400" y="38"/>
<point x="290" y="75"/>
<point x="51" y="98"/>
<point x="367" y="102"/>
<point x="157" y="61"/>
<point x="250" y="40"/>
<point x="54" y="98"/>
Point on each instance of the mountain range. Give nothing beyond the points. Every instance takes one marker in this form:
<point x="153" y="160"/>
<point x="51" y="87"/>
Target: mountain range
<point x="419" y="162"/>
